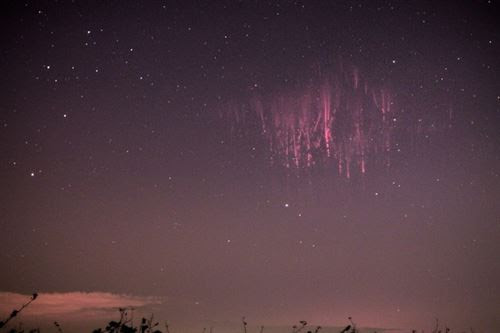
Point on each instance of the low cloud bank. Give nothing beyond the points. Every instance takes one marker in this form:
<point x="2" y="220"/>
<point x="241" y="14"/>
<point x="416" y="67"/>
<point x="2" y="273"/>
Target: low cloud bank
<point x="73" y="303"/>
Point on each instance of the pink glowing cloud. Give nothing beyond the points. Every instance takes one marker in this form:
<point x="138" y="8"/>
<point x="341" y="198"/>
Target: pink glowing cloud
<point x="73" y="303"/>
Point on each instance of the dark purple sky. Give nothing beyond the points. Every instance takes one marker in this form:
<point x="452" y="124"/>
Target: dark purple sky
<point x="134" y="159"/>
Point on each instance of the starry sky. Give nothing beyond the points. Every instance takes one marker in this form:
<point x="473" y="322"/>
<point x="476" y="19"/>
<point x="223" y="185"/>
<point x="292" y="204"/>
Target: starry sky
<point x="279" y="160"/>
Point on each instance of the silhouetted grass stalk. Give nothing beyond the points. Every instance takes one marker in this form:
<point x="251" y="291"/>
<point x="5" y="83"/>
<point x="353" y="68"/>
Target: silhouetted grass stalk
<point x="15" y="312"/>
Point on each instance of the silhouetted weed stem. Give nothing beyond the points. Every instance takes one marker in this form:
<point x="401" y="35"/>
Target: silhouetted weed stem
<point x="14" y="312"/>
<point x="58" y="326"/>
<point x="244" y="324"/>
<point x="347" y="328"/>
<point x="297" y="329"/>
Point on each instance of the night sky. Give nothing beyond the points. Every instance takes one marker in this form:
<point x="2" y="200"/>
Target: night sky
<point x="279" y="160"/>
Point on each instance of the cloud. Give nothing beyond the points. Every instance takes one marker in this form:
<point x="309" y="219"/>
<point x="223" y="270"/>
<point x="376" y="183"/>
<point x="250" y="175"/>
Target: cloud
<point x="73" y="303"/>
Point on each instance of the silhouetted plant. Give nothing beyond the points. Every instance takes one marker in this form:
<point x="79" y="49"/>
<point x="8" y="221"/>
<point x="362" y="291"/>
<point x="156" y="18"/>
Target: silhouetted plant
<point x="244" y="324"/>
<point x="59" y="329"/>
<point x="15" y="312"/>
<point x="347" y="328"/>
<point x="125" y="325"/>
<point x="147" y="325"/>
<point x="296" y="329"/>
